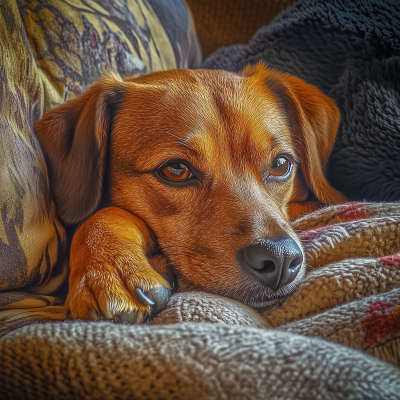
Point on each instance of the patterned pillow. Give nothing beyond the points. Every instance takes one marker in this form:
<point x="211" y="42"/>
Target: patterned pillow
<point x="51" y="50"/>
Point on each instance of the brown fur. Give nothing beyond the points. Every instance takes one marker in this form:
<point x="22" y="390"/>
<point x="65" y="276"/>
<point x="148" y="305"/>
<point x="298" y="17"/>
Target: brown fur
<point x="229" y="127"/>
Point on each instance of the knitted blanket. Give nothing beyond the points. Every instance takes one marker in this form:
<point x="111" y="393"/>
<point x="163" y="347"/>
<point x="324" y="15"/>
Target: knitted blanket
<point x="351" y="292"/>
<point x="322" y="342"/>
<point x="350" y="50"/>
<point x="185" y="361"/>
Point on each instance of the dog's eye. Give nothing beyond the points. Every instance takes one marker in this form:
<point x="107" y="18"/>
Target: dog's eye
<point x="280" y="167"/>
<point x="176" y="171"/>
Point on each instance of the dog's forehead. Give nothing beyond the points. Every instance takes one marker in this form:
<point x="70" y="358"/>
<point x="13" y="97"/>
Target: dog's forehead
<point x="237" y="118"/>
<point x="236" y="107"/>
<point x="217" y="113"/>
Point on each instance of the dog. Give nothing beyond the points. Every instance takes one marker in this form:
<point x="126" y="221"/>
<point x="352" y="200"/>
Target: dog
<point x="203" y="171"/>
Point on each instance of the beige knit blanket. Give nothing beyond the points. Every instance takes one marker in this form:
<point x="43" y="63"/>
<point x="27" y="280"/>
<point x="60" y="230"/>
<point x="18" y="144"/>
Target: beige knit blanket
<point x="350" y="296"/>
<point x="351" y="292"/>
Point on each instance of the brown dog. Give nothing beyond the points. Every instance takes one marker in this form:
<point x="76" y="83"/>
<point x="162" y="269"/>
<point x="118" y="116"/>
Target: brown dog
<point x="203" y="169"/>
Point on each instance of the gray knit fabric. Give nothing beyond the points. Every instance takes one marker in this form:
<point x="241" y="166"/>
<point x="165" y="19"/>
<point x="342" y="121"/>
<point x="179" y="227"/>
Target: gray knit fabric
<point x="78" y="360"/>
<point x="349" y="49"/>
<point x="206" y="307"/>
<point x="344" y="324"/>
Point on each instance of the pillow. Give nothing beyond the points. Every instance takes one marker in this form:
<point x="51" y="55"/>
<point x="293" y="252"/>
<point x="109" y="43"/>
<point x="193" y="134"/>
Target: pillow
<point x="50" y="52"/>
<point x="33" y="247"/>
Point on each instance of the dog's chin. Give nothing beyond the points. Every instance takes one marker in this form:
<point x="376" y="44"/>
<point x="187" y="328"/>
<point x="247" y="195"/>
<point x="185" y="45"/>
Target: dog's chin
<point x="266" y="298"/>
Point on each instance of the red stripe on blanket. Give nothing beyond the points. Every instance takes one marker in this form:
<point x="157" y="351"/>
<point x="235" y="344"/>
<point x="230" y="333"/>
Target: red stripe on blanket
<point x="392" y="262"/>
<point x="308" y="236"/>
<point x="383" y="320"/>
<point x="351" y="211"/>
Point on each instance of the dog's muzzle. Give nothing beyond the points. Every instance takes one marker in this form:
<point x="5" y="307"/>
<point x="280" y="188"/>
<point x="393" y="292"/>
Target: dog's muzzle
<point x="274" y="263"/>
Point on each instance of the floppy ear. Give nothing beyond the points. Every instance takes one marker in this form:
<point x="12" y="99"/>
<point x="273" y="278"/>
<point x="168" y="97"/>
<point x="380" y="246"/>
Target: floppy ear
<point x="313" y="119"/>
<point x="74" y="139"/>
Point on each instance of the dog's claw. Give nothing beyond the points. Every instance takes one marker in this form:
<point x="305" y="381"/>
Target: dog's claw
<point x="156" y="297"/>
<point x="140" y="296"/>
<point x="160" y="296"/>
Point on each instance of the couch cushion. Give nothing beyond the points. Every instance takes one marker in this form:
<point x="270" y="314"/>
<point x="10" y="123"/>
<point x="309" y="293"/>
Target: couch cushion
<point x="32" y="240"/>
<point x="50" y="52"/>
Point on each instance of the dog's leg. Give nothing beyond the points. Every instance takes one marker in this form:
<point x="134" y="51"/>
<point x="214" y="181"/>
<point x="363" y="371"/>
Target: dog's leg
<point x="110" y="271"/>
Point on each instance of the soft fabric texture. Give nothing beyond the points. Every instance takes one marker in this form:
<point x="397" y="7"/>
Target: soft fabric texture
<point x="33" y="248"/>
<point x="350" y="297"/>
<point x="50" y="52"/>
<point x="101" y="360"/>
<point x="350" y="294"/>
<point x="351" y="291"/>
<point x="350" y="50"/>
<point x="205" y="307"/>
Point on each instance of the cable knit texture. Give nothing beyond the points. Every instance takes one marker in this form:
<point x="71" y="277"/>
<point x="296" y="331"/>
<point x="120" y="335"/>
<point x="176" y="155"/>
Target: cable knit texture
<point x="185" y="361"/>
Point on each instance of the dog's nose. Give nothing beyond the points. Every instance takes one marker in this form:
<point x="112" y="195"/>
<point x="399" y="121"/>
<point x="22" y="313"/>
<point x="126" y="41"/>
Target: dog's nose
<point x="274" y="263"/>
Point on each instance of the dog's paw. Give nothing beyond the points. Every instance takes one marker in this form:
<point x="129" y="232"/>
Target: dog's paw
<point x="111" y="277"/>
<point x="104" y="295"/>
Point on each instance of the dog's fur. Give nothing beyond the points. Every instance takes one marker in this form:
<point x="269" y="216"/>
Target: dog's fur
<point x="229" y="127"/>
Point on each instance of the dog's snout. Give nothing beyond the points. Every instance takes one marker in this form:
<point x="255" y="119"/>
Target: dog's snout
<point x="274" y="263"/>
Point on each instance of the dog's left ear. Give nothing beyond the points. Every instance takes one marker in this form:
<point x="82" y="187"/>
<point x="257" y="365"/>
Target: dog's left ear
<point x="313" y="119"/>
<point x="74" y="138"/>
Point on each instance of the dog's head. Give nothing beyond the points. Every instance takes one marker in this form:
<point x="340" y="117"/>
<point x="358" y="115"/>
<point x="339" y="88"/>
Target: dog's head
<point x="209" y="160"/>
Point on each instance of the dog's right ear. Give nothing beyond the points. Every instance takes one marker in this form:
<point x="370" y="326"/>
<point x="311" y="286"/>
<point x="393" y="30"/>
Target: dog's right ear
<point x="74" y="138"/>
